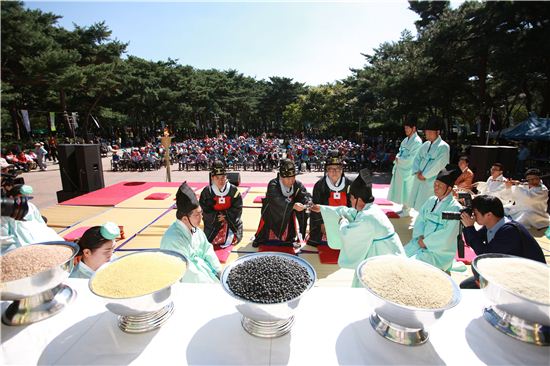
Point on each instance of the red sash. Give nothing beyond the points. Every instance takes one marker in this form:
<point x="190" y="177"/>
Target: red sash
<point x="225" y="203"/>
<point x="333" y="199"/>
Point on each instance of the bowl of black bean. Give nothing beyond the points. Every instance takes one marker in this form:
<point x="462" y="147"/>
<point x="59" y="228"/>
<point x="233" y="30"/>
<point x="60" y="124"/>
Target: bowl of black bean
<point x="268" y="288"/>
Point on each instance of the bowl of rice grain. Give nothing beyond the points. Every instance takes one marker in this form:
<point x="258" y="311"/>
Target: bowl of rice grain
<point x="407" y="293"/>
<point x="516" y="286"/>
<point x="139" y="283"/>
<point x="32" y="269"/>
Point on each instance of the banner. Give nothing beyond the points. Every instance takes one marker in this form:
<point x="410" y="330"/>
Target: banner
<point x="26" y="121"/>
<point x="52" y="122"/>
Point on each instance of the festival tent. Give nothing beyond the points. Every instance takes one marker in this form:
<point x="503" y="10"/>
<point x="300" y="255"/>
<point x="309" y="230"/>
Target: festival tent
<point x="533" y="128"/>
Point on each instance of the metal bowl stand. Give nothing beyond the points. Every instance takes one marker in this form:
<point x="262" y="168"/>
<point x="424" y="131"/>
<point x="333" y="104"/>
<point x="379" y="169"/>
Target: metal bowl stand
<point x="397" y="333"/>
<point x="517" y="328"/>
<point x="267" y="329"/>
<point x="39" y="307"/>
<point x="146" y="322"/>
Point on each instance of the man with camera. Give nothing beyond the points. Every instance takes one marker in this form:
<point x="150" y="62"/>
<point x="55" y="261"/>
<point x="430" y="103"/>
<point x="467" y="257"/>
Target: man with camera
<point x="435" y="231"/>
<point x="498" y="233"/>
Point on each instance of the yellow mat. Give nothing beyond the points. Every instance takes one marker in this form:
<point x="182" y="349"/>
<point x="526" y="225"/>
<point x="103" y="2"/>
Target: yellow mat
<point x="133" y="220"/>
<point x="258" y="190"/>
<point x="139" y="201"/>
<point x="60" y="217"/>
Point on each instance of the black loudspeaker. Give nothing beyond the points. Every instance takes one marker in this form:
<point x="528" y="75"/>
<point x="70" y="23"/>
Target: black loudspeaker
<point x="483" y="157"/>
<point x="67" y="167"/>
<point x="80" y="168"/>
<point x="90" y="169"/>
<point x="234" y="178"/>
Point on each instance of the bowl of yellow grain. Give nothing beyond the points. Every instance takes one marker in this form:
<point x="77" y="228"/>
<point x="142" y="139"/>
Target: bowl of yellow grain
<point x="407" y="296"/>
<point x="139" y="283"/>
<point x="515" y="286"/>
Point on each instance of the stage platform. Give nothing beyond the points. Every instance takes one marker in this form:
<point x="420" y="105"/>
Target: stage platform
<point x="146" y="209"/>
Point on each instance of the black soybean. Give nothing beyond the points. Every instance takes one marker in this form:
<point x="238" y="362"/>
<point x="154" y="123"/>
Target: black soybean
<point x="268" y="279"/>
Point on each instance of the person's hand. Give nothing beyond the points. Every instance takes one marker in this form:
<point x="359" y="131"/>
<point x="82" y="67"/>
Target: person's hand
<point x="421" y="242"/>
<point x="221" y="217"/>
<point x="315" y="208"/>
<point x="467" y="219"/>
<point x="299" y="207"/>
<point x="509" y="183"/>
<point x="420" y="176"/>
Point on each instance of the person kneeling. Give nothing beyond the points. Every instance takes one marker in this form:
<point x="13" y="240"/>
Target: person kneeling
<point x="434" y="238"/>
<point x="185" y="237"/>
<point x="360" y="231"/>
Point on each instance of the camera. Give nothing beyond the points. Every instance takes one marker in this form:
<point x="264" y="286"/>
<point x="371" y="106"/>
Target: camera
<point x="15" y="207"/>
<point x="466" y="200"/>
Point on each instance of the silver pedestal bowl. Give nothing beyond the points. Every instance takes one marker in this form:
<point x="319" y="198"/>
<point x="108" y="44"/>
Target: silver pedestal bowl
<point x="41" y="295"/>
<point x="267" y="320"/>
<point x="143" y="313"/>
<point x="399" y="323"/>
<point x="512" y="313"/>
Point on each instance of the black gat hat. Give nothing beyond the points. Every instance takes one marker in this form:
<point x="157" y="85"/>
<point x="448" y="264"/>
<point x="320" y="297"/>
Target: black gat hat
<point x="287" y="168"/>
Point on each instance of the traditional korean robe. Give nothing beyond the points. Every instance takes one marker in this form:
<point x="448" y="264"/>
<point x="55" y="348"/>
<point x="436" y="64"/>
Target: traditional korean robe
<point x="81" y="270"/>
<point x="324" y="195"/>
<point x="280" y="223"/>
<point x="431" y="158"/>
<point x="231" y="206"/>
<point x="494" y="187"/>
<point x="31" y="230"/>
<point x="440" y="236"/>
<point x="402" y="175"/>
<point x="203" y="264"/>
<point x="529" y="205"/>
<point x="360" y="234"/>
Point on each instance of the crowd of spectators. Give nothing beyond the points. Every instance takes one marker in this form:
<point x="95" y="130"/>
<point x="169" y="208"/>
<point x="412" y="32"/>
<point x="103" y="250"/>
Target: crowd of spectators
<point x="257" y="153"/>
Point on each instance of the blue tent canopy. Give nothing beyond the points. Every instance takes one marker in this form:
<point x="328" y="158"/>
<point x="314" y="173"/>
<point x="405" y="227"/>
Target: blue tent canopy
<point x="533" y="128"/>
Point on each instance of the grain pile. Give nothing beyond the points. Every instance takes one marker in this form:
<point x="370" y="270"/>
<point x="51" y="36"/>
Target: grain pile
<point x="32" y="259"/>
<point x="138" y="274"/>
<point x="268" y="279"/>
<point x="521" y="276"/>
<point x="408" y="282"/>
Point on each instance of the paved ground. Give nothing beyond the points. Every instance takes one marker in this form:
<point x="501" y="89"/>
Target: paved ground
<point x="47" y="183"/>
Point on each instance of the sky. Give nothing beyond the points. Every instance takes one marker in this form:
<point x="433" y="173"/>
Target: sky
<point x="310" y="42"/>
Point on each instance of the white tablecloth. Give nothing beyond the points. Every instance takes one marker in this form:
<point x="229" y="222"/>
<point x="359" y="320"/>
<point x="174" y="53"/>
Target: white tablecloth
<point x="331" y="327"/>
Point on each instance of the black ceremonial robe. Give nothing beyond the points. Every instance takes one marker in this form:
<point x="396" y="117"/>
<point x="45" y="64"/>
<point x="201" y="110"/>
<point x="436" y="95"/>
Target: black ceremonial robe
<point x="279" y="221"/>
<point x="231" y="206"/>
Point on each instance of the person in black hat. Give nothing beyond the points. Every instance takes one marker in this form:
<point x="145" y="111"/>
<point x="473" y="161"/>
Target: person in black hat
<point x="402" y="175"/>
<point x="284" y="216"/>
<point x="184" y="236"/>
<point x="433" y="155"/>
<point x="362" y="230"/>
<point x="222" y="208"/>
<point x="434" y="238"/>
<point x="331" y="190"/>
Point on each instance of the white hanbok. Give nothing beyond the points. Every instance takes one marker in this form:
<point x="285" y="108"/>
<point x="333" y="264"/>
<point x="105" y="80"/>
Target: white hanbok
<point x="529" y="205"/>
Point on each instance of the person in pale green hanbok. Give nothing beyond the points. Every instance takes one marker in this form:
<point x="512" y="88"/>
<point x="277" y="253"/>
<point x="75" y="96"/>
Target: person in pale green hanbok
<point x="29" y="229"/>
<point x="360" y="231"/>
<point x="402" y="175"/>
<point x="96" y="248"/>
<point x="434" y="239"/>
<point x="185" y="237"/>
<point x="432" y="156"/>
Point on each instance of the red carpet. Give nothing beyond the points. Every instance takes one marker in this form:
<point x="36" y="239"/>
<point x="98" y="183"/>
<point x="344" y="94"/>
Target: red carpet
<point x="327" y="255"/>
<point x="391" y="214"/>
<point x="222" y="253"/>
<point x="158" y="196"/>
<point x="258" y="199"/>
<point x="277" y="248"/>
<point x="383" y="202"/>
<point x="76" y="233"/>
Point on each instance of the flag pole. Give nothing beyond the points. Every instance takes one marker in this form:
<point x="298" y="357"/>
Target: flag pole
<point x="490" y="124"/>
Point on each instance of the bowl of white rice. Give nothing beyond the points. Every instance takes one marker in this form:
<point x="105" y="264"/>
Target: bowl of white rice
<point x="407" y="292"/>
<point x="515" y="285"/>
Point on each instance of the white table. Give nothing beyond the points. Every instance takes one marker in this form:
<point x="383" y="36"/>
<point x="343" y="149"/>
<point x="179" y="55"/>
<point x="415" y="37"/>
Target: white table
<point x="331" y="327"/>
